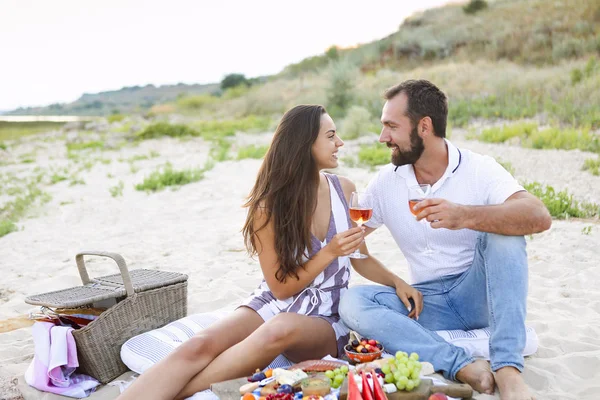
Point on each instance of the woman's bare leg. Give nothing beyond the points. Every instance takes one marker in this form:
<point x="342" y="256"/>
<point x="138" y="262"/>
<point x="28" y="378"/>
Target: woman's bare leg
<point x="298" y="336"/>
<point x="165" y="379"/>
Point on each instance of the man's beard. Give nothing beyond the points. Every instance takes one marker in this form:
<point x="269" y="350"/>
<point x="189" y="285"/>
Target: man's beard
<point x="402" y="157"/>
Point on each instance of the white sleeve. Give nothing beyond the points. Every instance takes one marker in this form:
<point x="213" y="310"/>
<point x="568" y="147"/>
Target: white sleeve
<point x="499" y="183"/>
<point x="374" y="189"/>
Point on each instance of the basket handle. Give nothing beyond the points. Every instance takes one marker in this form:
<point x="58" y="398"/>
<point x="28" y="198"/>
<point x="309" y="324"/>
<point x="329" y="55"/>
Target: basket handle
<point x="85" y="278"/>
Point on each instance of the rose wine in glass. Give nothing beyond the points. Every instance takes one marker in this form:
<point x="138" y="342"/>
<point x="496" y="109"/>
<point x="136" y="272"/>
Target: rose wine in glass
<point x="361" y="210"/>
<point x="416" y="194"/>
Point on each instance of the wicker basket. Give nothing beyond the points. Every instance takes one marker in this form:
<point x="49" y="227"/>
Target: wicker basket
<point x="146" y="300"/>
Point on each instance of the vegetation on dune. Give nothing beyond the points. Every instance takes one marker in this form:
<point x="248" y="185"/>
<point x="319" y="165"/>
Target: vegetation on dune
<point x="561" y="204"/>
<point x="15" y="130"/>
<point x="168" y="177"/>
<point x="592" y="165"/>
<point x="252" y="151"/>
<point x="530" y="135"/>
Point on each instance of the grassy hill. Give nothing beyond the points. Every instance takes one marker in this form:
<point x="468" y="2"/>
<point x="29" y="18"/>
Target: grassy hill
<point x="513" y="59"/>
<point x="133" y="99"/>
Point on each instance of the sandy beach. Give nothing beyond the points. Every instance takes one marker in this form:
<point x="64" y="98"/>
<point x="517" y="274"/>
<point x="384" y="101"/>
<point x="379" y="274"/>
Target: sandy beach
<point x="196" y="230"/>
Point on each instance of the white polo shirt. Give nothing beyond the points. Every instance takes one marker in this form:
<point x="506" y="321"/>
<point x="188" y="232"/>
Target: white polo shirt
<point x="470" y="179"/>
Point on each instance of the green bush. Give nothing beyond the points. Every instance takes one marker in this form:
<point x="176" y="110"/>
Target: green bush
<point x="576" y="76"/>
<point x="461" y="111"/>
<point x="160" y="179"/>
<point x="160" y="129"/>
<point x="55" y="178"/>
<point x="117" y="191"/>
<point x="3" y="146"/>
<point x="340" y="91"/>
<point x="592" y="165"/>
<point x="500" y="134"/>
<point x="115" y="118"/>
<point x="211" y="130"/>
<point x="252" y="151"/>
<point x="219" y="151"/>
<point x="233" y="80"/>
<point x="374" y="155"/>
<point x="475" y="6"/>
<point x="85" y="146"/>
<point x="561" y="204"/>
<point x="17" y="208"/>
<point x="549" y="138"/>
<point x="567" y="139"/>
<point x="235" y="92"/>
<point x="196" y="102"/>
<point x="7" y="227"/>
<point x="358" y="122"/>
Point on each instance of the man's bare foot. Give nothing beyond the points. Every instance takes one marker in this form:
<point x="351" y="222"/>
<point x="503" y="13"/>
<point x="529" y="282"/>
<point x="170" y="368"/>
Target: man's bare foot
<point x="479" y="375"/>
<point x="511" y="385"/>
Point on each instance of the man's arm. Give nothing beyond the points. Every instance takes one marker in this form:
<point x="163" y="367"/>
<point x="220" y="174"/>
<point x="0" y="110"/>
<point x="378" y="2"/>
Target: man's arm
<point x="521" y="214"/>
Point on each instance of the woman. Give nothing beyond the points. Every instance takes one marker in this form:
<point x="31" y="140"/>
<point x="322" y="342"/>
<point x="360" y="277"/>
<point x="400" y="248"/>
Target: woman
<point x="298" y="226"/>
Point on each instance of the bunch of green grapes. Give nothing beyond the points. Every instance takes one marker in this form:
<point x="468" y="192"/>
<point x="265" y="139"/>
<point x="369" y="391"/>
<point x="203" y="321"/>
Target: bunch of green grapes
<point x="403" y="371"/>
<point x="337" y="376"/>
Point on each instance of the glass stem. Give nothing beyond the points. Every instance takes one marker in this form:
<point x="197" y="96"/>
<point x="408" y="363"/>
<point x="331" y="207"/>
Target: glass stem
<point x="427" y="248"/>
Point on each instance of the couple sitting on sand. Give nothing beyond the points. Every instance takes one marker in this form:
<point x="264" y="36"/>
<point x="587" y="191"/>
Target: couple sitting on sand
<point x="468" y="264"/>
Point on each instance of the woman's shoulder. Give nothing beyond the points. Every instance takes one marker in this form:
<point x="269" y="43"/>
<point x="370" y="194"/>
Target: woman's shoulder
<point x="347" y="185"/>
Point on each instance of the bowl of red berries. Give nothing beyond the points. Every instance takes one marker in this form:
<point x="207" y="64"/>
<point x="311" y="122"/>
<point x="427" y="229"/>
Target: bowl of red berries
<point x="363" y="350"/>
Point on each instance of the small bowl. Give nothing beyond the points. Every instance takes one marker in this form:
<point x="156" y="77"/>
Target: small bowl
<point x="362" y="357"/>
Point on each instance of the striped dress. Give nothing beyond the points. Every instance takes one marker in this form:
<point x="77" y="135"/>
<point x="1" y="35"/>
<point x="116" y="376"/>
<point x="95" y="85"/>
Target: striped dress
<point x="322" y="297"/>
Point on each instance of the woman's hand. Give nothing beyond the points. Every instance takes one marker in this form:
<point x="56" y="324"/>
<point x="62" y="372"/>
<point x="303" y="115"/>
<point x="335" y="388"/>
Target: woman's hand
<point x="345" y="242"/>
<point x="406" y="292"/>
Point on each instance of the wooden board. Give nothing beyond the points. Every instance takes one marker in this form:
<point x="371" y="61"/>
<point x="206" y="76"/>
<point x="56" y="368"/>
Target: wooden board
<point x="423" y="392"/>
<point x="230" y="390"/>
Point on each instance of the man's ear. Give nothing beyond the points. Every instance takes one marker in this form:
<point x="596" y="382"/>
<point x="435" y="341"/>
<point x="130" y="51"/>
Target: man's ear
<point x="425" y="127"/>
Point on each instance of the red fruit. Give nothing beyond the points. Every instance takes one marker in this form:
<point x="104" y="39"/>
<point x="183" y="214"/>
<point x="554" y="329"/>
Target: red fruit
<point x="353" y="392"/>
<point x="378" y="393"/>
<point x="373" y="342"/>
<point x="367" y="394"/>
<point x="364" y="342"/>
<point x="438" y="396"/>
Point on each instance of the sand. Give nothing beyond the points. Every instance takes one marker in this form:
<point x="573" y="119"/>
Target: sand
<point x="196" y="230"/>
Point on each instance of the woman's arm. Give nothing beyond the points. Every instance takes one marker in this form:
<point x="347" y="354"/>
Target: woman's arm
<point x="342" y="244"/>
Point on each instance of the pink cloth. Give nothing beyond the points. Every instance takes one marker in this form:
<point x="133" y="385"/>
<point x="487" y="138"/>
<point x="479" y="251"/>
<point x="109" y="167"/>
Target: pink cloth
<point x="54" y="363"/>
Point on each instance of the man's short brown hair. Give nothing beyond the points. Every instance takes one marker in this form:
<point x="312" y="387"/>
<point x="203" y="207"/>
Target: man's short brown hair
<point x="424" y="100"/>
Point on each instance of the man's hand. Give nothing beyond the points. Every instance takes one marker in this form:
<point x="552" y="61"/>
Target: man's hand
<point x="406" y="292"/>
<point x="442" y="213"/>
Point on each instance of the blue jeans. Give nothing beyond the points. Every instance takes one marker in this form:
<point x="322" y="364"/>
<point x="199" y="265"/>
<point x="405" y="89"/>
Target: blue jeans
<point x="492" y="292"/>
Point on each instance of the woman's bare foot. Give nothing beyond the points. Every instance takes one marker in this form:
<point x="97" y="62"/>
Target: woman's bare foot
<point x="511" y="385"/>
<point x="479" y="375"/>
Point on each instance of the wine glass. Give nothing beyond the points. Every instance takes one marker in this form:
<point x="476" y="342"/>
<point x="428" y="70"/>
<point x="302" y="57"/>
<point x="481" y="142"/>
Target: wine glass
<point x="361" y="210"/>
<point x="416" y="194"/>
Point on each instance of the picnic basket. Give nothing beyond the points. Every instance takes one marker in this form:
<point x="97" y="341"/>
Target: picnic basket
<point x="143" y="300"/>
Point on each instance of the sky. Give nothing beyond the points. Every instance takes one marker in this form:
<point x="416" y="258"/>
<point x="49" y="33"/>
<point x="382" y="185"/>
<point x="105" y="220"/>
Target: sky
<point x="54" y="51"/>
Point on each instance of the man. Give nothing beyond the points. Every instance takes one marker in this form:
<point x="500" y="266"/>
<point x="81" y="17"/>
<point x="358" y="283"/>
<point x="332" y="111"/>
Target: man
<point x="473" y="221"/>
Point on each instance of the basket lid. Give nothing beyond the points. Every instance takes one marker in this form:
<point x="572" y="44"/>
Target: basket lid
<point x="76" y="296"/>
<point x="143" y="279"/>
<point x="106" y="287"/>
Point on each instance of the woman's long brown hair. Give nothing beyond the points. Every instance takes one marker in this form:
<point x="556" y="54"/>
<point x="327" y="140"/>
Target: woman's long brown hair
<point x="286" y="189"/>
